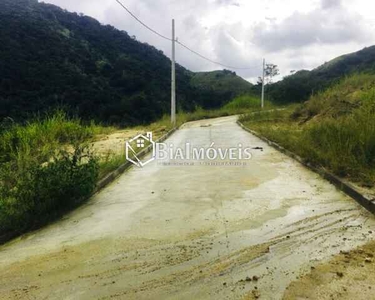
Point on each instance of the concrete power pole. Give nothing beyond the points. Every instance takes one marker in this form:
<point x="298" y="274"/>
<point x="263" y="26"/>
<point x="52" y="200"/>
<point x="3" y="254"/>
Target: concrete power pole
<point x="263" y="76"/>
<point x="173" y="96"/>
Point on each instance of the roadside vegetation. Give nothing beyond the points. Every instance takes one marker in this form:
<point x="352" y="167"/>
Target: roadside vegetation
<point x="48" y="165"/>
<point x="238" y="106"/>
<point x="334" y="129"/>
<point x="45" y="169"/>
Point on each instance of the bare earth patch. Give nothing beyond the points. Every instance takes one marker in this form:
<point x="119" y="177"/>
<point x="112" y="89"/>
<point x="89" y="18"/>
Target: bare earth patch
<point x="114" y="143"/>
<point x="349" y="275"/>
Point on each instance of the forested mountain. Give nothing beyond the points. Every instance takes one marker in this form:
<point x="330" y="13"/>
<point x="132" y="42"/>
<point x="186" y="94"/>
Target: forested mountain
<point x="221" y="81"/>
<point x="299" y="86"/>
<point x="53" y="58"/>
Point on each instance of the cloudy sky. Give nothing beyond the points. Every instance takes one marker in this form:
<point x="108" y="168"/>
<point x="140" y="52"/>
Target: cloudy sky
<point x="294" y="34"/>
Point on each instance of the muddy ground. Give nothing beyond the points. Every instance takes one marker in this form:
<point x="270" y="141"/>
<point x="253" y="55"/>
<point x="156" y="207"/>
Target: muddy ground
<point x="348" y="275"/>
<point x="196" y="231"/>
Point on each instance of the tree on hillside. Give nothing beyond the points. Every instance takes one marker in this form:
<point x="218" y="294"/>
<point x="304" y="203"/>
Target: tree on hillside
<point x="52" y="58"/>
<point x="271" y="71"/>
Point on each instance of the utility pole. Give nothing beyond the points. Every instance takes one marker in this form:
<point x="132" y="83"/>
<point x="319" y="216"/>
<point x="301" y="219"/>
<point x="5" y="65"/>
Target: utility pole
<point x="264" y="71"/>
<point x="173" y="96"/>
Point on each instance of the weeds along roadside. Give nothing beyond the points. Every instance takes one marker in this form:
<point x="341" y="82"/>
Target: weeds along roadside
<point x="40" y="177"/>
<point x="48" y="167"/>
<point x="334" y="129"/>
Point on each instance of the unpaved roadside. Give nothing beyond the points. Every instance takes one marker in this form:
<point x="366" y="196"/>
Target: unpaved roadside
<point x="167" y="231"/>
<point x="348" y="275"/>
<point x="114" y="143"/>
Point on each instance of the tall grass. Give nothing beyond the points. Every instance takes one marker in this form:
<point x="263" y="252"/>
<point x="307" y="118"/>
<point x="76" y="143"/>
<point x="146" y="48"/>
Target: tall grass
<point x="37" y="139"/>
<point x="39" y="177"/>
<point x="240" y="105"/>
<point x="110" y="163"/>
<point x="245" y="103"/>
<point x="340" y="99"/>
<point x="335" y="129"/>
<point x="346" y="145"/>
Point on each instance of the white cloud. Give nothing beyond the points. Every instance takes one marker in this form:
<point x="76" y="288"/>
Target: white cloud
<point x="228" y="2"/>
<point x="329" y="4"/>
<point x="331" y="24"/>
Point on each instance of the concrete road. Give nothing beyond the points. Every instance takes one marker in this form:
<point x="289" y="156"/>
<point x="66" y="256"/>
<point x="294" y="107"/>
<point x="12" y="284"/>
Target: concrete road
<point x="190" y="232"/>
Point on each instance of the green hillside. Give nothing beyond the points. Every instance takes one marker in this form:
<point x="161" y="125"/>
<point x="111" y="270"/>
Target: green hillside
<point x="222" y="81"/>
<point x="340" y="100"/>
<point x="53" y="58"/>
<point x="301" y="85"/>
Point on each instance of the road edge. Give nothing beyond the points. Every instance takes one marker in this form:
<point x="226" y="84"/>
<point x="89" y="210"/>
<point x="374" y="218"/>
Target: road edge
<point x="112" y="176"/>
<point x="339" y="183"/>
<point x="101" y="184"/>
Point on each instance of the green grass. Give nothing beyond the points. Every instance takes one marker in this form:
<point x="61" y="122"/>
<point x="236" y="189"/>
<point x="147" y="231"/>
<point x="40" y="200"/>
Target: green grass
<point x="335" y="129"/>
<point x="46" y="168"/>
<point x="238" y="106"/>
<point x="98" y="129"/>
<point x="246" y="102"/>
<point x="110" y="163"/>
<point x="38" y="139"/>
<point x="340" y="99"/>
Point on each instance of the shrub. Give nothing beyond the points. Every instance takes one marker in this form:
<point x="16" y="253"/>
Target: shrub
<point x="32" y="193"/>
<point x="243" y="102"/>
<point x="45" y="169"/>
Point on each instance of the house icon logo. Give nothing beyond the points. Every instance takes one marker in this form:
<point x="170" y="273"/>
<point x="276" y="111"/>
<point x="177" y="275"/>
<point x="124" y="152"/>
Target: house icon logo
<point x="138" y="145"/>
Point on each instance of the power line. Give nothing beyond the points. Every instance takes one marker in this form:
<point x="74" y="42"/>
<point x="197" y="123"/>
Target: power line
<point x="149" y="28"/>
<point x="212" y="61"/>
<point x="181" y="44"/>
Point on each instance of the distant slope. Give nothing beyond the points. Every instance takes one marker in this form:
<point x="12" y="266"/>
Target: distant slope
<point x="51" y="58"/>
<point x="223" y="84"/>
<point x="222" y="81"/>
<point x="351" y="94"/>
<point x="298" y="87"/>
